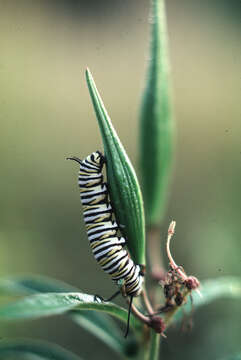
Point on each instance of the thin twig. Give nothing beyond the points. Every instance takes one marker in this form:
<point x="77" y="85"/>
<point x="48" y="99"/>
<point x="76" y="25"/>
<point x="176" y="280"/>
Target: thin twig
<point x="138" y="314"/>
<point x="174" y="266"/>
<point x="147" y="302"/>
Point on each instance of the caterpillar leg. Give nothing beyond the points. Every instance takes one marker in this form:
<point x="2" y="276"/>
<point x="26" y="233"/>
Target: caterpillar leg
<point x="114" y="295"/>
<point x="97" y="297"/>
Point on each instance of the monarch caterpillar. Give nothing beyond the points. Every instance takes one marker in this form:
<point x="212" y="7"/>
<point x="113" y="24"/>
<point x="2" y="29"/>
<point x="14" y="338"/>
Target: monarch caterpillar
<point x="107" y="246"/>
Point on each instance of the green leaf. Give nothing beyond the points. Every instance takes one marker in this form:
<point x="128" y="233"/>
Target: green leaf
<point x="212" y="289"/>
<point x="107" y="332"/>
<point x="31" y="284"/>
<point x="42" y="305"/>
<point x="98" y="324"/>
<point x="125" y="194"/>
<point x="31" y="349"/>
<point x="156" y="123"/>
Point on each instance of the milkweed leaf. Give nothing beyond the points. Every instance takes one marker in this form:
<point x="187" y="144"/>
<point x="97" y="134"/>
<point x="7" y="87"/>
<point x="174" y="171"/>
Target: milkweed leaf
<point x="124" y="188"/>
<point x="48" y="304"/>
<point x="31" y="284"/>
<point x="97" y="323"/>
<point x="29" y="349"/>
<point x="106" y="331"/>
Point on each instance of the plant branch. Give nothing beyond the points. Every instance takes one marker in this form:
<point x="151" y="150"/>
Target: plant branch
<point x="138" y="314"/>
<point x="147" y="302"/>
<point x="154" y="346"/>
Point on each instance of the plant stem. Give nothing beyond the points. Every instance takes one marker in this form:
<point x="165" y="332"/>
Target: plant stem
<point x="154" y="346"/>
<point x="157" y="270"/>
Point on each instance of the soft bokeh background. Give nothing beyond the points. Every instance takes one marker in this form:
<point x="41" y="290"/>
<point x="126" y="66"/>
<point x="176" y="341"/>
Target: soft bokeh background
<point x="46" y="115"/>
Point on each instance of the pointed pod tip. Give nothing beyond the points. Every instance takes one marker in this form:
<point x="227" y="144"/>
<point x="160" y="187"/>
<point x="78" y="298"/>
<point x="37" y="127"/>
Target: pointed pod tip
<point x="88" y="73"/>
<point x="89" y="78"/>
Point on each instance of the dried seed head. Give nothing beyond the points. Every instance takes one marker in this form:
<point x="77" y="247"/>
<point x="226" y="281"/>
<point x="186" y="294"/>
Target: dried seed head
<point x="192" y="283"/>
<point x="179" y="299"/>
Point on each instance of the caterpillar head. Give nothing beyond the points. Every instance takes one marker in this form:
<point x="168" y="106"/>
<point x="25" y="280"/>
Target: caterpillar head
<point x="98" y="158"/>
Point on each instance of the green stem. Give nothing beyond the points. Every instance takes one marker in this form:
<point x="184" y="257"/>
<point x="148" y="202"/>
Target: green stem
<point x="154" y="346"/>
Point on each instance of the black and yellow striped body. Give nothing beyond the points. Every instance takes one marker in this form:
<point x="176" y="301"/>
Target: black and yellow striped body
<point x="106" y="245"/>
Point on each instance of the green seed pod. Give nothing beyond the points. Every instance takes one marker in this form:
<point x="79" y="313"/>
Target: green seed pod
<point x="156" y="126"/>
<point x="125" y="193"/>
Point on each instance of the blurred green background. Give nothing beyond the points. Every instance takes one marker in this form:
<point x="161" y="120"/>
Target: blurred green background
<point x="46" y="115"/>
